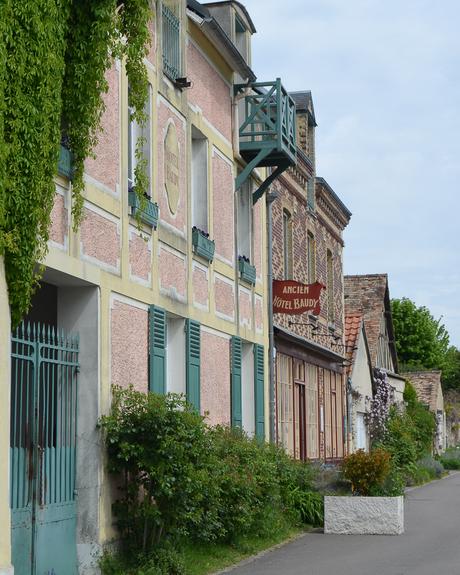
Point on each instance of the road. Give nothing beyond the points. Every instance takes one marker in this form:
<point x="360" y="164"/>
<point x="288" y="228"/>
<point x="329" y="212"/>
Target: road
<point x="429" y="546"/>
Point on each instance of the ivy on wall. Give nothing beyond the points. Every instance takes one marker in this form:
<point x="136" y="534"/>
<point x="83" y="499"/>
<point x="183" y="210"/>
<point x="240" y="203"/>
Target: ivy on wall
<point x="54" y="55"/>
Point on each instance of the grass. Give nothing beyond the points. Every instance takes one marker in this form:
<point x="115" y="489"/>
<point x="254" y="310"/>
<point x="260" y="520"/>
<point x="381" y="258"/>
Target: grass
<point x="209" y="558"/>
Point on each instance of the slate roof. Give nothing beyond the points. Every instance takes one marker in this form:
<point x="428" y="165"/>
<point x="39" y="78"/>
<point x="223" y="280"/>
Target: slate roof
<point x="427" y="385"/>
<point x="304" y="103"/>
<point x="353" y="326"/>
<point x="369" y="295"/>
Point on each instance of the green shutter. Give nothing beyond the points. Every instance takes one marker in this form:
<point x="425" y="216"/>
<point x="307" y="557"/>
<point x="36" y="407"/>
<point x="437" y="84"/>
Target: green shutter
<point x="157" y="349"/>
<point x="193" y="362"/>
<point x="237" y="415"/>
<point x="259" y="396"/>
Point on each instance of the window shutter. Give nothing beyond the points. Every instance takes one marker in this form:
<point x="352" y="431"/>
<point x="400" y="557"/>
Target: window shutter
<point x="259" y="396"/>
<point x="193" y="362"/>
<point x="237" y="414"/>
<point x="157" y="349"/>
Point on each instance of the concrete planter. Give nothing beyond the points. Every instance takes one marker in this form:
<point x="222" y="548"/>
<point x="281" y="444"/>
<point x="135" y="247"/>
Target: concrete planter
<point x="364" y="515"/>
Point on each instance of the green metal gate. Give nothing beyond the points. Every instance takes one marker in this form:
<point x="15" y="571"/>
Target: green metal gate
<point x="44" y="370"/>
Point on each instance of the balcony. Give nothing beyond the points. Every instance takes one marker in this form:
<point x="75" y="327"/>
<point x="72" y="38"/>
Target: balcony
<point x="268" y="129"/>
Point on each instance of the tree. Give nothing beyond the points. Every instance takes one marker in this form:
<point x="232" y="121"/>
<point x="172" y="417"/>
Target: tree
<point x="54" y="55"/>
<point x="421" y="341"/>
<point x="451" y="369"/>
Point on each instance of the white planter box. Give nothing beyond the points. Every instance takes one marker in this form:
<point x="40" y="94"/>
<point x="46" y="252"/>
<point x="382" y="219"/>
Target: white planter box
<point x="364" y="515"/>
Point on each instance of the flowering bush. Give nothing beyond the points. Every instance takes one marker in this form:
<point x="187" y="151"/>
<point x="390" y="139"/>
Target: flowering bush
<point x="379" y="412"/>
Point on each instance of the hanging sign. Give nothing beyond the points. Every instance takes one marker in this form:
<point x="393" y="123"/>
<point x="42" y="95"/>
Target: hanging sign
<point x="291" y="297"/>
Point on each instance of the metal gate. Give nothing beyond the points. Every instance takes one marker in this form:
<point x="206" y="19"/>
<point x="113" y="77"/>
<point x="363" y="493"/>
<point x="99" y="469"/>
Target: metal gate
<point x="44" y="371"/>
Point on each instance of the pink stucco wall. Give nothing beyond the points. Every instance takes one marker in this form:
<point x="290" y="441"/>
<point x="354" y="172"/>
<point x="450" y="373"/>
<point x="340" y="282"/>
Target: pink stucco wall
<point x="59" y="220"/>
<point x="105" y="167"/>
<point x="257" y="223"/>
<point x="140" y="256"/>
<point x="209" y="92"/>
<point x="245" y="308"/>
<point x="179" y="219"/>
<point x="215" y="378"/>
<point x="200" y="287"/>
<point x="100" y="238"/>
<point x="129" y="346"/>
<point x="224" y="298"/>
<point x="222" y="184"/>
<point x="172" y="272"/>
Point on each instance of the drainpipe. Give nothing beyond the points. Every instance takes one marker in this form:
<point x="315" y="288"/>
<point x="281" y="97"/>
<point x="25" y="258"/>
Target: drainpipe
<point x="270" y="198"/>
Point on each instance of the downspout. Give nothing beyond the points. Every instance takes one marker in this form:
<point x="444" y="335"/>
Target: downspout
<point x="349" y="415"/>
<point x="270" y="198"/>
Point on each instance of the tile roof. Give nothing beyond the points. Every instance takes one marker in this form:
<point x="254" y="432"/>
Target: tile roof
<point x="353" y="326"/>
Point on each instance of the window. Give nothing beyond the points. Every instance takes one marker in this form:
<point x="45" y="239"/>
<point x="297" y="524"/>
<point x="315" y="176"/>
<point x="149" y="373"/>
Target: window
<point x="241" y="38"/>
<point x="244" y="215"/>
<point x="136" y="132"/>
<point x="287" y="245"/>
<point x="175" y="355"/>
<point x="311" y="258"/>
<point x="247" y="389"/>
<point x="199" y="180"/>
<point x="311" y="193"/>
<point x="330" y="288"/>
<point x="171" y="42"/>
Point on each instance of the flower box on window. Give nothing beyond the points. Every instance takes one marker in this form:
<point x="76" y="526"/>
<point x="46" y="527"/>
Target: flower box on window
<point x="247" y="271"/>
<point x="65" y="163"/>
<point x="148" y="213"/>
<point x="202" y="245"/>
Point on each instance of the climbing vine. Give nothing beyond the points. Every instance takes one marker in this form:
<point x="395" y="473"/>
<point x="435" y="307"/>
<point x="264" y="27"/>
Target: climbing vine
<point x="54" y="55"/>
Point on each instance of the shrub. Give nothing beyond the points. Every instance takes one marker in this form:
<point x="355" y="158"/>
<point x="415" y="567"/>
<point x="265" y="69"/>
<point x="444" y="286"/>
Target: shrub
<point x="399" y="440"/>
<point x="451" y="458"/>
<point x="159" y="447"/>
<point x="179" y="478"/>
<point x="367" y="471"/>
<point x="433" y="467"/>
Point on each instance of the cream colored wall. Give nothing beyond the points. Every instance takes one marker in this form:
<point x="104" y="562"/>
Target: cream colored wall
<point x="361" y="382"/>
<point x="5" y="366"/>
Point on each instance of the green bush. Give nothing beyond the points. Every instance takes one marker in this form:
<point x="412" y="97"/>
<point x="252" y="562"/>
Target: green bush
<point x="367" y="472"/>
<point x="160" y="448"/>
<point x="451" y="458"/>
<point x="181" y="479"/>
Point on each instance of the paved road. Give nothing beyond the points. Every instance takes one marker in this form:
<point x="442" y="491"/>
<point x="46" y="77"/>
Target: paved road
<point x="430" y="545"/>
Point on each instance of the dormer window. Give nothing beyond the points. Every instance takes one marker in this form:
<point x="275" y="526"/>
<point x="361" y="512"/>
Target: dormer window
<point x="241" y="38"/>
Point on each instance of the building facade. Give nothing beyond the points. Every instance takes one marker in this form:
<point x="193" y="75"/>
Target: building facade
<point x="167" y="294"/>
<point x="308" y="222"/>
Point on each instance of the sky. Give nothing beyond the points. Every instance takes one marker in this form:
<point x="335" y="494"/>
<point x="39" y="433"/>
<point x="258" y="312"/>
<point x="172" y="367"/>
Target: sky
<point x="385" y="81"/>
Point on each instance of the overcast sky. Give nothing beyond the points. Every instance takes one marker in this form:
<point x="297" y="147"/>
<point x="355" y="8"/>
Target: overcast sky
<point x="384" y="75"/>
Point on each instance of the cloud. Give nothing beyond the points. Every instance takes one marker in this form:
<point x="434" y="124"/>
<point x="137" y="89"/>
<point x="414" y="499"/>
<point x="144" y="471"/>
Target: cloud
<point x="385" y="78"/>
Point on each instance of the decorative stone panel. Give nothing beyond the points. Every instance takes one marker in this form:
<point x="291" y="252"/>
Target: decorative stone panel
<point x="215" y="377"/>
<point x="245" y="307"/>
<point x="224" y="297"/>
<point x="364" y="515"/>
<point x="172" y="269"/>
<point x="200" y="286"/>
<point x="100" y="238"/>
<point x="258" y="314"/>
<point x="171" y="126"/>
<point x="129" y="345"/>
<point x="140" y="256"/>
<point x="223" y="207"/>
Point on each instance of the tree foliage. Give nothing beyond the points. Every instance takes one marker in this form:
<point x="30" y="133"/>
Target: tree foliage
<point x="421" y="340"/>
<point x="54" y="55"/>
